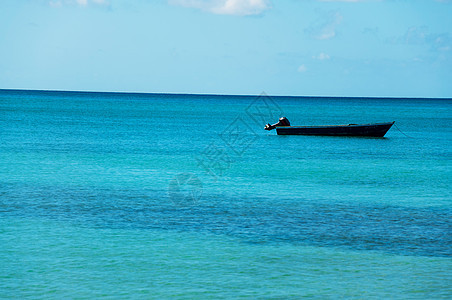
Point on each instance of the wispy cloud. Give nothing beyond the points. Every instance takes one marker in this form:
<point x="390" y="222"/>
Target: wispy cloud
<point x="346" y="0"/>
<point x="302" y="69"/>
<point x="321" y="56"/>
<point x="83" y="3"/>
<point x="226" y="7"/>
<point x="325" y="28"/>
<point x="438" y="45"/>
<point x="422" y="36"/>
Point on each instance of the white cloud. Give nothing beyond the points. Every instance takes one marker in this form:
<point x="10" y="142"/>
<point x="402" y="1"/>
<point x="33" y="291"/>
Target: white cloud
<point x="302" y="69"/>
<point x="322" y="56"/>
<point x="226" y="7"/>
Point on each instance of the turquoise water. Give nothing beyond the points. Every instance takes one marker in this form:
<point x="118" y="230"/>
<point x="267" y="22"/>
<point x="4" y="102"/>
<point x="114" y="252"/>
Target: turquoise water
<point x="160" y="196"/>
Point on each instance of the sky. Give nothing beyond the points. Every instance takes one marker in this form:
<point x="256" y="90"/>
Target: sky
<point x="358" y="48"/>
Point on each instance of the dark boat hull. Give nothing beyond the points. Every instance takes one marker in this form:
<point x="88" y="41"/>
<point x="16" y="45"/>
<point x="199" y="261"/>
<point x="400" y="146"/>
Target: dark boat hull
<point x="373" y="130"/>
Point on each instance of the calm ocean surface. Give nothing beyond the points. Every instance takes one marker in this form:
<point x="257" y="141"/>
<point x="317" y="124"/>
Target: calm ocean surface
<point x="160" y="196"/>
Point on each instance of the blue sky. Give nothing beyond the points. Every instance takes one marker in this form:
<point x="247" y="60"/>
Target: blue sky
<point x="399" y="48"/>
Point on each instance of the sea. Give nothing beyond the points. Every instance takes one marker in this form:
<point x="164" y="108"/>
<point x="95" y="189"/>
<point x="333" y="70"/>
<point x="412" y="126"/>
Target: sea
<point x="161" y="196"/>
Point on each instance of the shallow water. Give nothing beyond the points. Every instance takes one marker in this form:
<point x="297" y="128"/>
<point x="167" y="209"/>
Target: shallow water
<point x="149" y="195"/>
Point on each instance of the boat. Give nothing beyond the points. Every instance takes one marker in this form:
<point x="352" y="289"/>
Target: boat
<point x="372" y="130"/>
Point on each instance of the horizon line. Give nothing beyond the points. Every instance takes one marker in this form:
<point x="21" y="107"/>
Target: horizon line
<point x="216" y="95"/>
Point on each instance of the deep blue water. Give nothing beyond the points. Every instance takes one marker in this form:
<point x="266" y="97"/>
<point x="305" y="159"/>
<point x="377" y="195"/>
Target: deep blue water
<point x="154" y="195"/>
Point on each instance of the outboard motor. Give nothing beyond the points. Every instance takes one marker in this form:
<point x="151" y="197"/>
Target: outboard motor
<point x="282" y="122"/>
